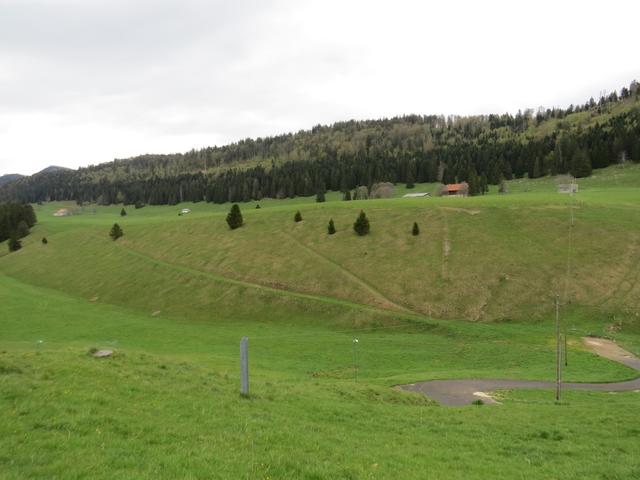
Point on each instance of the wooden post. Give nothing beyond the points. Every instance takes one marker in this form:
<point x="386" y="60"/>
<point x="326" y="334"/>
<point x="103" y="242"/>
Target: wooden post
<point x="244" y="366"/>
<point x="558" y="350"/>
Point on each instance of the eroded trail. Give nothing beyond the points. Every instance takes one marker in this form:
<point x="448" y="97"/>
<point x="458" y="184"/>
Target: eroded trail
<point x="463" y="392"/>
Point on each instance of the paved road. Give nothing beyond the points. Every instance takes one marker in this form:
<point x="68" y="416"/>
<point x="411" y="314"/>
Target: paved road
<point x="463" y="392"/>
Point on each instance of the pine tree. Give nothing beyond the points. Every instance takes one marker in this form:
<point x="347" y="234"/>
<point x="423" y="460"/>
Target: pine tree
<point x="234" y="217"/>
<point x="361" y="225"/>
<point x="410" y="179"/>
<point x="332" y="228"/>
<point x="347" y="196"/>
<point x="320" y="197"/>
<point x="297" y="217"/>
<point x="22" y="230"/>
<point x="581" y="164"/>
<point x="14" y="243"/>
<point x="123" y="212"/>
<point x="44" y="240"/>
<point x="257" y="205"/>
<point x="415" y="231"/>
<point x="116" y="232"/>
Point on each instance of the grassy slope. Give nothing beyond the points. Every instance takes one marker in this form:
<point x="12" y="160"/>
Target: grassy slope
<point x="174" y="296"/>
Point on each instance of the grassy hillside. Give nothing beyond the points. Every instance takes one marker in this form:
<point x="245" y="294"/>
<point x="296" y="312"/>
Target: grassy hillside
<point x="471" y="297"/>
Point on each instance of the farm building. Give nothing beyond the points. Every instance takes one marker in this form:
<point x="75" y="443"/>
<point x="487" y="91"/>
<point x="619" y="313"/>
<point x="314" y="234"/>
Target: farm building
<point x="455" y="190"/>
<point x="416" y="195"/>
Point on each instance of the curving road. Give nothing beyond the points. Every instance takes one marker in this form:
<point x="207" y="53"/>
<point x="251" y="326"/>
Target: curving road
<point x="463" y="392"/>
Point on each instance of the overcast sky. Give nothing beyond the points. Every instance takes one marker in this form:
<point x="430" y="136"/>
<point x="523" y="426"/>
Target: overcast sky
<point x="86" y="81"/>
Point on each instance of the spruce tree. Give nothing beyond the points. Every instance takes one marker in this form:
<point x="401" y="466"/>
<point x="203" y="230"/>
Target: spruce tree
<point x="410" y="179"/>
<point x="332" y="228"/>
<point x="257" y="205"/>
<point x="123" y="212"/>
<point x="297" y="217"/>
<point x="14" y="243"/>
<point x="234" y="217"/>
<point x="415" y="231"/>
<point x="320" y="197"/>
<point x="22" y="230"/>
<point x="347" y="195"/>
<point x="361" y="226"/>
<point x="44" y="240"/>
<point x="116" y="232"/>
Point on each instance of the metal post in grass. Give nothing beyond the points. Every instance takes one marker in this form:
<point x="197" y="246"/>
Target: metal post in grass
<point x="566" y="351"/>
<point x="558" y="350"/>
<point x="244" y="366"/>
<point x="355" y="360"/>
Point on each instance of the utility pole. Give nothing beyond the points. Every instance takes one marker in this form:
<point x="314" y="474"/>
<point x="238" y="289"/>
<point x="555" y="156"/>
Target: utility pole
<point x="558" y="350"/>
<point x="244" y="366"/>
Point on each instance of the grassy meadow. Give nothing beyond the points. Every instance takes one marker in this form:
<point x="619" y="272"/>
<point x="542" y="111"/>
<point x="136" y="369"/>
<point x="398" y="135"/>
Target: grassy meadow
<point x="470" y="297"/>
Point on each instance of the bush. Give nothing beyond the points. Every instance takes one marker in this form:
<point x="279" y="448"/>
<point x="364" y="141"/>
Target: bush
<point x="297" y="217"/>
<point x="361" y="225"/>
<point x="347" y="195"/>
<point x="14" y="243"/>
<point x="44" y="240"/>
<point x="123" y="212"/>
<point x="139" y="205"/>
<point x="331" y="229"/>
<point x="383" y="190"/>
<point x="116" y="232"/>
<point x="415" y="231"/>
<point x="234" y="217"/>
<point x="361" y="193"/>
<point x="320" y="197"/>
<point x="257" y="205"/>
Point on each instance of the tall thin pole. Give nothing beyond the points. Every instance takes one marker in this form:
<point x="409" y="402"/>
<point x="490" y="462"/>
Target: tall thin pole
<point x="558" y="350"/>
<point x="244" y="366"/>
<point x="566" y="351"/>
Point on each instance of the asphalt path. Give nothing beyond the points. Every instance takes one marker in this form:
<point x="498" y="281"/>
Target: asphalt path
<point x="464" y="392"/>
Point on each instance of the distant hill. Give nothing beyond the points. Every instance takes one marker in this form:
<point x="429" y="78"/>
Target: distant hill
<point x="481" y="150"/>
<point x="10" y="177"/>
<point x="52" y="168"/>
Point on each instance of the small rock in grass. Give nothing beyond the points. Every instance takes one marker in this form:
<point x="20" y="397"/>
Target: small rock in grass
<point x="102" y="353"/>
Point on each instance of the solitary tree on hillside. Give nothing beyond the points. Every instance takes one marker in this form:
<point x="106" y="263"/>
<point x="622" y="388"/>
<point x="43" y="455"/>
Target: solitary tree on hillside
<point x="257" y="205"/>
<point x="234" y="217"/>
<point x="332" y="228"/>
<point x="14" y="243"/>
<point x="415" y="231"/>
<point x="116" y="232"/>
<point x="123" y="212"/>
<point x="297" y="217"/>
<point x="361" y="226"/>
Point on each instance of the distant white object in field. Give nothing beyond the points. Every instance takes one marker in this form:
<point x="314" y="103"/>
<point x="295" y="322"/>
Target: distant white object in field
<point x="184" y="211"/>
<point x="568" y="188"/>
<point x="63" y="212"/>
<point x="103" y="353"/>
<point x="417" y="195"/>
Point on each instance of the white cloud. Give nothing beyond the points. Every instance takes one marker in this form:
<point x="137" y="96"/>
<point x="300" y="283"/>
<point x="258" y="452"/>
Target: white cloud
<point x="83" y="82"/>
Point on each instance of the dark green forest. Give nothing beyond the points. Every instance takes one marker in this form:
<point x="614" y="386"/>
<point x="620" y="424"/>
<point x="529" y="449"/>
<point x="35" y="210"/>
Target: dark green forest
<point x="481" y="150"/>
<point x="15" y="220"/>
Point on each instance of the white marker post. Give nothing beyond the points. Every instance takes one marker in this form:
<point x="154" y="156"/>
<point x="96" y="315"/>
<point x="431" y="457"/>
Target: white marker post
<point x="355" y="360"/>
<point x="244" y="366"/>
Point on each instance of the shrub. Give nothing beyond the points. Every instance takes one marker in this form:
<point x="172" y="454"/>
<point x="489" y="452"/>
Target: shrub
<point x="361" y="193"/>
<point x="14" y="243"/>
<point x="383" y="190"/>
<point x="234" y="217"/>
<point x="361" y="225"/>
<point x="123" y="212"/>
<point x="257" y="205"/>
<point x="415" y="231"/>
<point x="331" y="229"/>
<point x="347" y="195"/>
<point x="44" y="240"/>
<point x="297" y="217"/>
<point x="139" y="205"/>
<point x="116" y="232"/>
<point x="320" y="197"/>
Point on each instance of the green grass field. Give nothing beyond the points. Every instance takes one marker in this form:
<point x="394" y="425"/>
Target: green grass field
<point x="471" y="297"/>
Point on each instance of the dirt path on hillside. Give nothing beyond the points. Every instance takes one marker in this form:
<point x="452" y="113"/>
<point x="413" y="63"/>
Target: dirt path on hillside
<point x="463" y="392"/>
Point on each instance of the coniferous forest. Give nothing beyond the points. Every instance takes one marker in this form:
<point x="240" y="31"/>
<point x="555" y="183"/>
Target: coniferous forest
<point x="481" y="150"/>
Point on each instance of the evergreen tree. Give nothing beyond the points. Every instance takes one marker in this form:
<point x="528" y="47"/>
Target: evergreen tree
<point x="347" y="195"/>
<point x="332" y="228"/>
<point x="257" y="205"/>
<point x="116" y="232"/>
<point x="14" y="243"/>
<point x="415" y="231"/>
<point x="581" y="164"/>
<point x="123" y="212"/>
<point x="411" y="179"/>
<point x="361" y="225"/>
<point x="22" y="230"/>
<point x="297" y="217"/>
<point x="44" y="240"/>
<point x="234" y="217"/>
<point x="320" y="197"/>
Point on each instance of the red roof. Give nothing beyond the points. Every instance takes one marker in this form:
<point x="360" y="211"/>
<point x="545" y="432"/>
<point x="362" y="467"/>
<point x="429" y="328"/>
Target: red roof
<point x="456" y="187"/>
